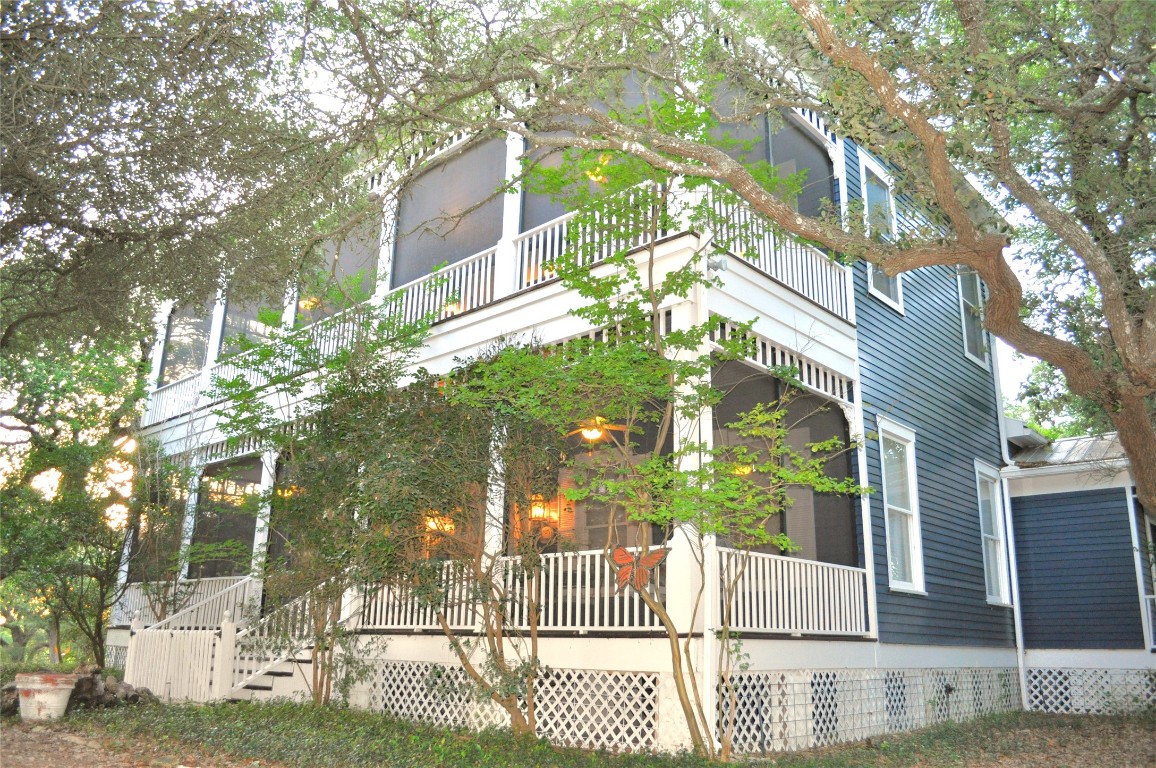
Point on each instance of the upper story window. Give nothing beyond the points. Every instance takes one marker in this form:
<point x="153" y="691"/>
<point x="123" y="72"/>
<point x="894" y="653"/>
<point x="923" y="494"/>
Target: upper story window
<point x="879" y="208"/>
<point x="186" y="342"/>
<point x="901" y="506"/>
<point x="971" y="309"/>
<point x="450" y="212"/>
<point x="991" y="530"/>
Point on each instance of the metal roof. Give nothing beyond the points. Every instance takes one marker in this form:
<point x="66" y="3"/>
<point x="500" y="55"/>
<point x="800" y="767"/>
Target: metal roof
<point x="1073" y="450"/>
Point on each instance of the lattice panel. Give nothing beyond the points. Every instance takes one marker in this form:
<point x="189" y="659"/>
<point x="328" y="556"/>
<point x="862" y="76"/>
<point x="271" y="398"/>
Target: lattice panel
<point x="115" y="656"/>
<point x="798" y="709"/>
<point x="1091" y="691"/>
<point x="575" y="707"/>
<point x="597" y="709"/>
<point x="431" y="693"/>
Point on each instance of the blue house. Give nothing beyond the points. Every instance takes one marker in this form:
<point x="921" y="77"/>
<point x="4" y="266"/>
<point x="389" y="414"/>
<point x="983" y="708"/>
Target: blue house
<point x="899" y="609"/>
<point x="1084" y="565"/>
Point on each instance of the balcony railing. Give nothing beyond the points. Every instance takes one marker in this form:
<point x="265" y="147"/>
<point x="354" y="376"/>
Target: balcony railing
<point x="574" y="591"/>
<point x="805" y="270"/>
<point x="791" y="596"/>
<point x="459" y="288"/>
<point x="478" y="282"/>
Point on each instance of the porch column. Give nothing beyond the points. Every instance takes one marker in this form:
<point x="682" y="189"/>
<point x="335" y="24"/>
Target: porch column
<point x="854" y="416"/>
<point x="190" y="520"/>
<point x="506" y="255"/>
<point x="494" y="526"/>
<point x="683" y="590"/>
<point x="156" y="357"/>
<point x="261" y="529"/>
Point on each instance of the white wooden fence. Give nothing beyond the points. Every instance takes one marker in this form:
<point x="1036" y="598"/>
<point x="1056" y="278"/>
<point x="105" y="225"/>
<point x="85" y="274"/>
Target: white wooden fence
<point x="572" y="591"/>
<point x="791" y="596"/>
<point x="178" y="665"/>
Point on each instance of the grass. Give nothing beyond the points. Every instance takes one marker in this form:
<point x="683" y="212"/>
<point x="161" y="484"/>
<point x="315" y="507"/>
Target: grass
<point x="336" y="738"/>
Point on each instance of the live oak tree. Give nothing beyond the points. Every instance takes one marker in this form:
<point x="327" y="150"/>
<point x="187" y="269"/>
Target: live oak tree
<point x="1049" y="105"/>
<point x="151" y="151"/>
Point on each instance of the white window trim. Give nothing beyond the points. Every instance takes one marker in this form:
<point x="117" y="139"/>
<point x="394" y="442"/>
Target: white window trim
<point x="904" y="434"/>
<point x="983" y="362"/>
<point x="985" y="471"/>
<point x="867" y="163"/>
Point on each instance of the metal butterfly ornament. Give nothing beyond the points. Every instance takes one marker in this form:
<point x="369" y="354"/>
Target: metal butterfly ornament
<point x="635" y="570"/>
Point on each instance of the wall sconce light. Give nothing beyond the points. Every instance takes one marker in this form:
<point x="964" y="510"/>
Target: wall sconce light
<point x="543" y="509"/>
<point x="742" y="470"/>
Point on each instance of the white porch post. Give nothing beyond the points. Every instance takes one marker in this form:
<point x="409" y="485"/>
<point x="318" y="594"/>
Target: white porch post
<point x="156" y="357"/>
<point x="1138" y="557"/>
<point x="854" y="416"/>
<point x="506" y="255"/>
<point x="494" y="526"/>
<point x="223" y="659"/>
<point x="261" y="530"/>
<point x="190" y="520"/>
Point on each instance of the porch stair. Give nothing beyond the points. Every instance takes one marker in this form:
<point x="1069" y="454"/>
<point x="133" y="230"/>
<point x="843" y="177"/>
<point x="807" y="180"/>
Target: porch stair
<point x="279" y="645"/>
<point x="236" y="600"/>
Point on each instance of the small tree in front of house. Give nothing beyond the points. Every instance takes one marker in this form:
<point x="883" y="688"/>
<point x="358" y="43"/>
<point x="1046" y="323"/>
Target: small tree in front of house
<point x="633" y="399"/>
<point x="307" y="402"/>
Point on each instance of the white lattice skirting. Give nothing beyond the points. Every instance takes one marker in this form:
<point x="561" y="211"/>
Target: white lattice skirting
<point x="798" y="709"/>
<point x="575" y="707"/>
<point x="115" y="656"/>
<point x="1090" y="691"/>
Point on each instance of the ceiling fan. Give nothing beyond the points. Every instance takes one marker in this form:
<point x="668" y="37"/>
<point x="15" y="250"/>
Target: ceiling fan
<point x="595" y="429"/>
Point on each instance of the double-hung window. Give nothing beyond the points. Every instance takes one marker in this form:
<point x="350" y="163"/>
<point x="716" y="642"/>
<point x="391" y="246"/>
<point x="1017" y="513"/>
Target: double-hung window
<point x="879" y="208"/>
<point x="991" y="532"/>
<point x="971" y="308"/>
<point x="901" y="505"/>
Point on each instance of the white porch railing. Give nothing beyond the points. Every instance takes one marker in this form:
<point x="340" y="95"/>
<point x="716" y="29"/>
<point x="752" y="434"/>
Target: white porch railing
<point x="282" y="634"/>
<point x="606" y="234"/>
<point x="239" y="600"/>
<point x="574" y="591"/>
<point x="188" y="593"/>
<point x="791" y="596"/>
<point x="474" y="283"/>
<point x="804" y="269"/>
<point x="172" y="400"/>
<point x="460" y="287"/>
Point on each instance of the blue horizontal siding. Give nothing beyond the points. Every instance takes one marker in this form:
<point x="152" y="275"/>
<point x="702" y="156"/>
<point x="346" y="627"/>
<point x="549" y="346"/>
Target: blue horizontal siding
<point x="914" y="371"/>
<point x="1077" y="572"/>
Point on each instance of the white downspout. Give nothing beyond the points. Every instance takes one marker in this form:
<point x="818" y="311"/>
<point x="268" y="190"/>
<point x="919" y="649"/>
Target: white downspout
<point x="1133" y="529"/>
<point x="1009" y="534"/>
